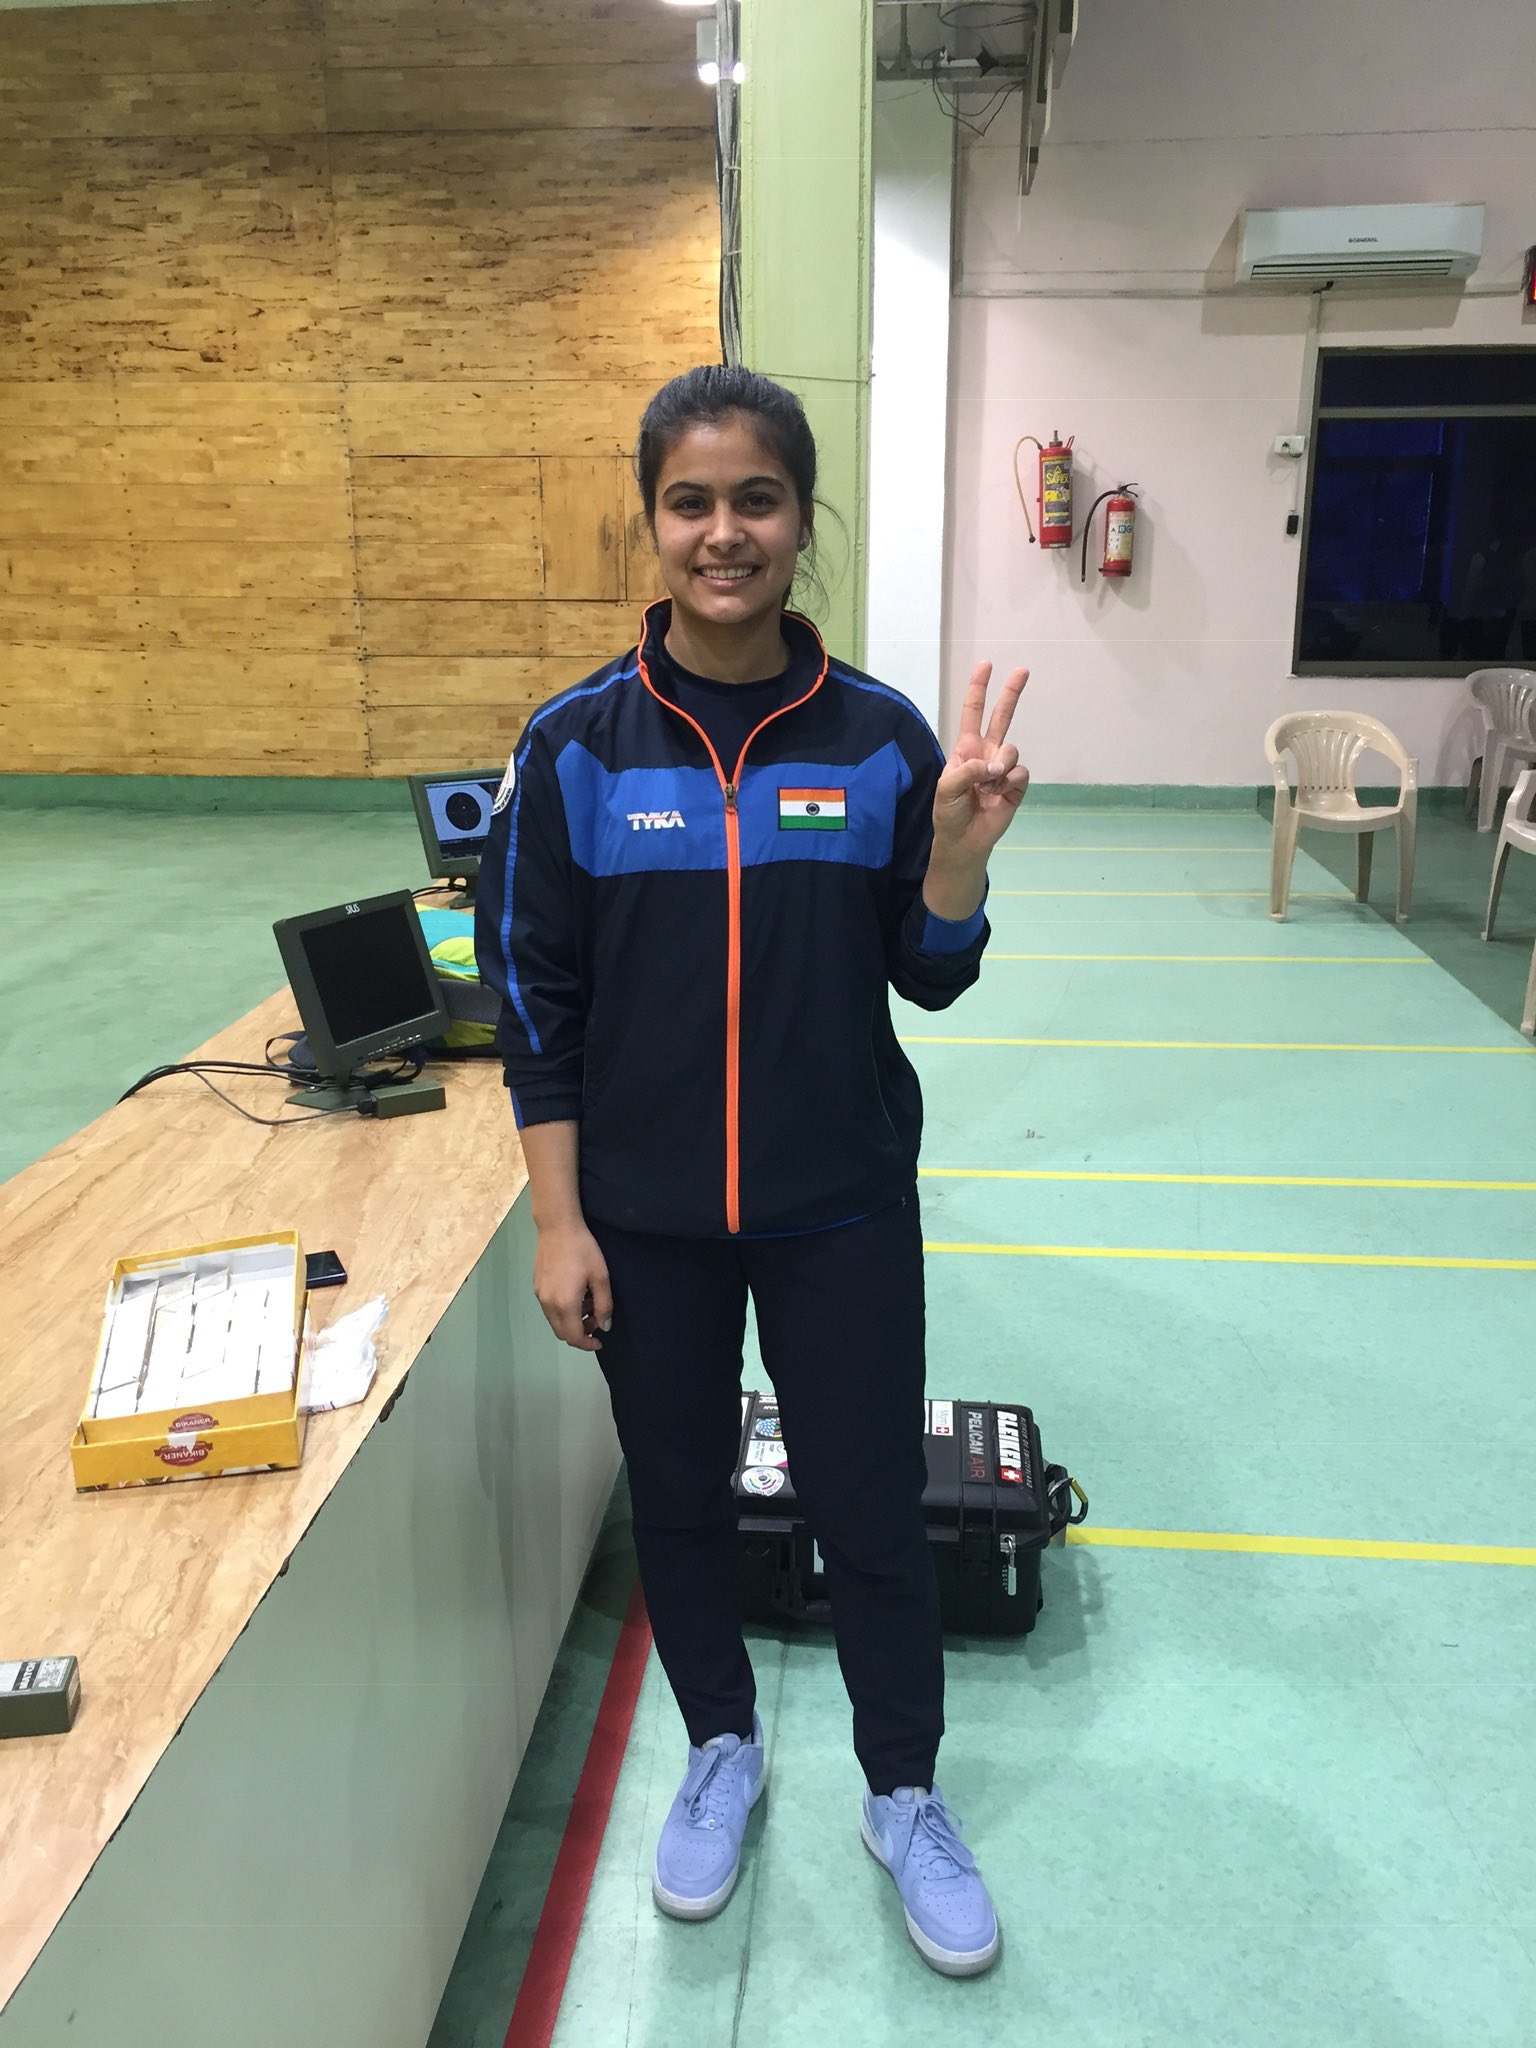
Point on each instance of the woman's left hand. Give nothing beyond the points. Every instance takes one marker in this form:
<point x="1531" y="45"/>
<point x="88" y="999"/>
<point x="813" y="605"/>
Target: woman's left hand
<point x="983" y="781"/>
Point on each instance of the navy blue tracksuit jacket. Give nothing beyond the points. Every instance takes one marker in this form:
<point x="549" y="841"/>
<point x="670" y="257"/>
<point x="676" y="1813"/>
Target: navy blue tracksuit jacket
<point x="695" y="955"/>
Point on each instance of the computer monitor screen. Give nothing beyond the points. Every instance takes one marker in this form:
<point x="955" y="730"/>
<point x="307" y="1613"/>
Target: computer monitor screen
<point x="454" y="814"/>
<point x="366" y="973"/>
<point x="363" y="980"/>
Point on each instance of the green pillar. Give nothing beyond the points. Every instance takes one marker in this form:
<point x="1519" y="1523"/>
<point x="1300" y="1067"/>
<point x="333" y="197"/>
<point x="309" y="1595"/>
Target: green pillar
<point x="807" y="182"/>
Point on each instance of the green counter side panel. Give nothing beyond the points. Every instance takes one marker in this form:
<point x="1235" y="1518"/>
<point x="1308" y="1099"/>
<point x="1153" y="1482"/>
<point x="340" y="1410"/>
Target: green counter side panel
<point x="302" y="1862"/>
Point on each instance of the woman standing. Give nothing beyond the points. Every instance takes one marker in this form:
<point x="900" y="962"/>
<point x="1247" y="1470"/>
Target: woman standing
<point x="709" y="864"/>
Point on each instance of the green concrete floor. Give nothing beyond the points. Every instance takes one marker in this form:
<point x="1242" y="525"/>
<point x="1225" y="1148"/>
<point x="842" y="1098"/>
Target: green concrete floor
<point x="1450" y="894"/>
<point x="132" y="937"/>
<point x="1224" y="1798"/>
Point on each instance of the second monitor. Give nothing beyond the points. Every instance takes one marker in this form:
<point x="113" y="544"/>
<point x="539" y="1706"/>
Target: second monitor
<point x="453" y="811"/>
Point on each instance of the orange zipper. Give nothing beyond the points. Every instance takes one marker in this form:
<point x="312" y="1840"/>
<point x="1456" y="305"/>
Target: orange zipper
<point x="729" y="789"/>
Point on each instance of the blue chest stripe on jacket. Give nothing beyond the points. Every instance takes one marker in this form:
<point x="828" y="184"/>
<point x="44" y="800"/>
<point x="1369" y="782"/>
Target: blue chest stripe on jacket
<point x="873" y="788"/>
<point x="626" y="821"/>
<point x="513" y="990"/>
<point x="672" y="820"/>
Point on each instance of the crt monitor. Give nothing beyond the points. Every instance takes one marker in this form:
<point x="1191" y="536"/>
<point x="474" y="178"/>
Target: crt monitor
<point x="453" y="811"/>
<point x="364" y="984"/>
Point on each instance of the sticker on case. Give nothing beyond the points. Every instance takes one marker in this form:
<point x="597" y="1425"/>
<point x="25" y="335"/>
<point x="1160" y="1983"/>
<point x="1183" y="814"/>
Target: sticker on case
<point x="762" y="1479"/>
<point x="978" y="1466"/>
<point x="943" y="1423"/>
<point x="767" y="1454"/>
<point x="1010" y="1454"/>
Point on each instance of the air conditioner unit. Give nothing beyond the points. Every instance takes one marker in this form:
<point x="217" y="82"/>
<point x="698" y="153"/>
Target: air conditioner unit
<point x="1368" y="244"/>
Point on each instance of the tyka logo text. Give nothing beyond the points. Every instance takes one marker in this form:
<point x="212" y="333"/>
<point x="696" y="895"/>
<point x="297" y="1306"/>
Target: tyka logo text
<point x="654" y="821"/>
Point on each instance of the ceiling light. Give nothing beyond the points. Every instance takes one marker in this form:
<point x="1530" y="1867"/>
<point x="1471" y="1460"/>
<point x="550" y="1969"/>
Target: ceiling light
<point x="707" y="52"/>
<point x="706" y="41"/>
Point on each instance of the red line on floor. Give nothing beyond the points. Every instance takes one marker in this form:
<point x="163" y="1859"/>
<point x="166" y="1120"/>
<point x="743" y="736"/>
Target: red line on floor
<point x="554" y="1943"/>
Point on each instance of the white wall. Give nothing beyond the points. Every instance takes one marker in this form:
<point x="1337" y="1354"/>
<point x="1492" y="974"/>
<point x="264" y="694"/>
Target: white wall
<point x="914" y="203"/>
<point x="1103" y="305"/>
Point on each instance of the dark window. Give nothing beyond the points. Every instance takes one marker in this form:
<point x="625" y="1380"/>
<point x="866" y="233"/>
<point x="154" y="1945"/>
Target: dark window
<point x="1370" y="380"/>
<point x="1420" y="548"/>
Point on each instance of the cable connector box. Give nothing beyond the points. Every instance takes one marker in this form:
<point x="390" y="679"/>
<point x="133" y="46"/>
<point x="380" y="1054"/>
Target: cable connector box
<point x="409" y="1098"/>
<point x="39" y="1696"/>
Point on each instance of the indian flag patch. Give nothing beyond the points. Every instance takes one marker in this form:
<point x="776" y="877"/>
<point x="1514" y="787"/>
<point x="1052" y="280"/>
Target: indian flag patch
<point x="813" y="810"/>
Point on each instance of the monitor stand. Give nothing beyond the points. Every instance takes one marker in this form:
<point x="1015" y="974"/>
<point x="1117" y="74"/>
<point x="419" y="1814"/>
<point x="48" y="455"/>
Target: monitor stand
<point x="387" y="1098"/>
<point x="332" y="1095"/>
<point x="465" y="900"/>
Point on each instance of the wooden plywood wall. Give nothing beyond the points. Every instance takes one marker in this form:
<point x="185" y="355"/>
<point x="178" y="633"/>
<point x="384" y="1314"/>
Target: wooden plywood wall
<point x="325" y="326"/>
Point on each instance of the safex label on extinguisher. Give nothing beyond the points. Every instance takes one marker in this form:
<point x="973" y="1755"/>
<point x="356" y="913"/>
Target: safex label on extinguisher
<point x="1056" y="497"/>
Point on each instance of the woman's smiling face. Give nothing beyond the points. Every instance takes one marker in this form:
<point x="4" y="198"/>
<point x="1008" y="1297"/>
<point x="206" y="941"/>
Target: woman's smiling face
<point x="728" y="525"/>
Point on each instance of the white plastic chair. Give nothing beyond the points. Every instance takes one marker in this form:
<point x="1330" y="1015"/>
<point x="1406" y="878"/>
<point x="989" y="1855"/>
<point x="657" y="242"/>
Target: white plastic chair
<point x="1517" y="834"/>
<point x="1507" y="698"/>
<point x="1327" y="746"/>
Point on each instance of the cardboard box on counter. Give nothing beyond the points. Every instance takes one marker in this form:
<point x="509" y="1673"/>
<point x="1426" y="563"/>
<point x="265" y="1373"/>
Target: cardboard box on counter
<point x="197" y="1372"/>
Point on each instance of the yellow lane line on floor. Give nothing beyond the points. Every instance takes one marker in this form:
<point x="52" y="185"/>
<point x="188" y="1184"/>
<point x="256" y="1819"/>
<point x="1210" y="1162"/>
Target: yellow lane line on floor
<point x="1259" y="847"/>
<point x="1167" y="812"/>
<point x="1247" y="959"/>
<point x="1228" y="1180"/>
<point x="1251" y="895"/>
<point x="1220" y="1045"/>
<point x="1302" y="1546"/>
<point x="1183" y="1253"/>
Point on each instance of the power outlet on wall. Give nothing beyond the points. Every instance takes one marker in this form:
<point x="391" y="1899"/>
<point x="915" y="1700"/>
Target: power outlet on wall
<point x="1290" y="444"/>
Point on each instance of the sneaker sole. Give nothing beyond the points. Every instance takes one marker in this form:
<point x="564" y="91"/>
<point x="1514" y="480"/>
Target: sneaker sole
<point x="677" y="1906"/>
<point x="949" y="1962"/>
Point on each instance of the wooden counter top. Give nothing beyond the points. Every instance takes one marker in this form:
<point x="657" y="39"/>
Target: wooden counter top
<point x="150" y="1586"/>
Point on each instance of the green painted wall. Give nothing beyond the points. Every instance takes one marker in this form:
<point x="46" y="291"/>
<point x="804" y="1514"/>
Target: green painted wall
<point x="807" y="180"/>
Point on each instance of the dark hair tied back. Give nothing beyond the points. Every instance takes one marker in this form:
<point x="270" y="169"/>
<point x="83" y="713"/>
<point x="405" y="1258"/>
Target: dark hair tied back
<point x="714" y="392"/>
<point x="704" y="397"/>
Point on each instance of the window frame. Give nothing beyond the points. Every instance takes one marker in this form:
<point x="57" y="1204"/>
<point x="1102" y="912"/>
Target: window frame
<point x="1352" y="669"/>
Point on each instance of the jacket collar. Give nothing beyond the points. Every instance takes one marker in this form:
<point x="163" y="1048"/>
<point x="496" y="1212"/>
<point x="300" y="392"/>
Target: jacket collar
<point x="807" y="654"/>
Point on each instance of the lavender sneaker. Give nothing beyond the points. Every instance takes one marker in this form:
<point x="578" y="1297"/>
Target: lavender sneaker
<point x="699" y="1854"/>
<point x="949" y="1913"/>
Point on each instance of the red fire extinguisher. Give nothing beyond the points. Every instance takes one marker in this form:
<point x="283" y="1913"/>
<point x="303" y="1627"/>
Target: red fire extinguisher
<point x="1053" y="498"/>
<point x="1119" y="530"/>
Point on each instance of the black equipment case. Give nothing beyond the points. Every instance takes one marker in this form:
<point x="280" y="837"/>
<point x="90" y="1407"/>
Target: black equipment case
<point x="992" y="1505"/>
